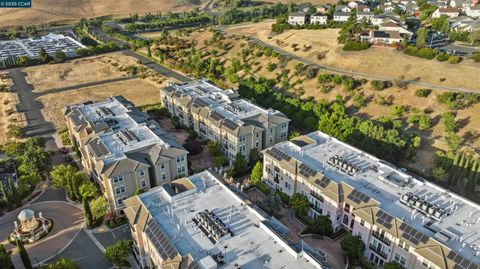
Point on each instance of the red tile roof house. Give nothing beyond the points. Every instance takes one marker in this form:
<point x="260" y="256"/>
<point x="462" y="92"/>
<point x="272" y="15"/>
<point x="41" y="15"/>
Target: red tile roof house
<point x="451" y="12"/>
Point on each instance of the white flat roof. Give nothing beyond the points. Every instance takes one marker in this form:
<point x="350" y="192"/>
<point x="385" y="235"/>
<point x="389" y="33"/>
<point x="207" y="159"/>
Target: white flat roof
<point x="249" y="247"/>
<point x="385" y="184"/>
<point x="135" y="133"/>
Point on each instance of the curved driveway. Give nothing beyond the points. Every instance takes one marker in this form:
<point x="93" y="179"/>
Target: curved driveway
<point x="67" y="218"/>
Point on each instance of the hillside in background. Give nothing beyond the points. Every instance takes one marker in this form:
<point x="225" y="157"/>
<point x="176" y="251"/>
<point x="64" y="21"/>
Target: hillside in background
<point x="71" y="10"/>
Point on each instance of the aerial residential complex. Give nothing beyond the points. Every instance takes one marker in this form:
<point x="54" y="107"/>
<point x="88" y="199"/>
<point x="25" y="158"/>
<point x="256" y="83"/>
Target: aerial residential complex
<point x="399" y="217"/>
<point x="123" y="149"/>
<point x="198" y="222"/>
<point x="31" y="46"/>
<point x="219" y="115"/>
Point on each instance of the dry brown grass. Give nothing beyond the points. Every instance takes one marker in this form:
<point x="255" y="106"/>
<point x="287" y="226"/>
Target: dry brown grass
<point x="140" y="92"/>
<point x="375" y="61"/>
<point x="74" y="10"/>
<point x="8" y="111"/>
<point x="71" y="73"/>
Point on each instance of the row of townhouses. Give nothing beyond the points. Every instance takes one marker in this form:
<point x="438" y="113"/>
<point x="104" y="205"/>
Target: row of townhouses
<point x="398" y="216"/>
<point x="123" y="149"/>
<point x="219" y="115"/>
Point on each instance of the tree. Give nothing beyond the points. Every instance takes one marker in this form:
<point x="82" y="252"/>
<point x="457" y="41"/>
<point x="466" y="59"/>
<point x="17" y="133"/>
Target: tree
<point x="254" y="156"/>
<point x="453" y="141"/>
<point x="421" y="37"/>
<point x="87" y="190"/>
<point x="117" y="253"/>
<point x="24" y="255"/>
<point x="5" y="258"/>
<point x="353" y="247"/>
<point x="299" y="204"/>
<point x="438" y="173"/>
<point x="6" y="197"/>
<point x="424" y="122"/>
<point x="474" y="37"/>
<point x="88" y="213"/>
<point x="322" y="225"/>
<point x="219" y="161"/>
<point x="42" y="55"/>
<point x="214" y="148"/>
<point x="69" y="178"/>
<point x="440" y="24"/>
<point x="99" y="208"/>
<point x="240" y="165"/>
<point x="60" y="55"/>
<point x="61" y="263"/>
<point x="449" y="122"/>
<point x="17" y="199"/>
<point x="392" y="265"/>
<point x="272" y="203"/>
<point x="256" y="174"/>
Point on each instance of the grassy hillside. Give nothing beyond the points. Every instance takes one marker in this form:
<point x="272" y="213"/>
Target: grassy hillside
<point x="71" y="10"/>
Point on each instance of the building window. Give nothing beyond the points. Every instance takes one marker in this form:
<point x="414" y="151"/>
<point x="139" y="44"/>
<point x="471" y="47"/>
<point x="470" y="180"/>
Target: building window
<point x="284" y="125"/>
<point x="117" y="190"/>
<point x="271" y="139"/>
<point x="287" y="185"/>
<point x="241" y="139"/>
<point x="141" y="172"/>
<point x="144" y="183"/>
<point x="180" y="159"/>
<point x="283" y="134"/>
<point x="122" y="189"/>
<point x="400" y="259"/>
<point x="120" y="201"/>
<point x="362" y="222"/>
<point x="271" y="130"/>
<point x="257" y="144"/>
<point x="164" y="176"/>
<point x="117" y="179"/>
<point x="162" y="165"/>
<point x="243" y="148"/>
<point x="180" y="169"/>
<point x="257" y="135"/>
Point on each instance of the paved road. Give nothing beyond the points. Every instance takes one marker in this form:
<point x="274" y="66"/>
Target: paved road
<point x="68" y="220"/>
<point x="157" y="67"/>
<point x="109" y="238"/>
<point x="51" y="194"/>
<point x="84" y="253"/>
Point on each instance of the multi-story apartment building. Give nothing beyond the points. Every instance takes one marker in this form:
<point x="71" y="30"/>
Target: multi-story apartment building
<point x="123" y="149"/>
<point x="398" y="216"/>
<point x="198" y="222"/>
<point x="220" y="115"/>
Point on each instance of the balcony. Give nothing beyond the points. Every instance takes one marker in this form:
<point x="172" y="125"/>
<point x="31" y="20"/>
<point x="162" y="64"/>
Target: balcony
<point x="382" y="238"/>
<point x="316" y="196"/>
<point x="378" y="251"/>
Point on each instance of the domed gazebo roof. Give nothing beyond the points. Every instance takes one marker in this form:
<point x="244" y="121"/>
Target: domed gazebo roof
<point x="26" y="214"/>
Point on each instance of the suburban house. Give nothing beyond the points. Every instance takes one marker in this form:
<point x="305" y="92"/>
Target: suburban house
<point x="297" y="18"/>
<point x="219" y="115"/>
<point x="341" y="16"/>
<point x="123" y="149"/>
<point x="473" y="26"/>
<point x="451" y="12"/>
<point x="363" y="8"/>
<point x="394" y="26"/>
<point x="324" y="8"/>
<point x="382" y="37"/>
<point x="472" y="11"/>
<point x="343" y="8"/>
<point x="365" y="15"/>
<point x="398" y="216"/>
<point x="319" y="19"/>
<point x="198" y="222"/>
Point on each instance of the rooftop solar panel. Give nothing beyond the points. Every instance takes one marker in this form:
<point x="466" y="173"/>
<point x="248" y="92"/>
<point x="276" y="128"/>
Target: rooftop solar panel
<point x="161" y="242"/>
<point x="217" y="116"/>
<point x="230" y="124"/>
<point x="323" y="182"/>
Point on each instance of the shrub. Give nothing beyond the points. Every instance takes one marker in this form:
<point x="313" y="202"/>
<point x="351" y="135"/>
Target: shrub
<point x="379" y="85"/>
<point x="426" y="53"/>
<point x="423" y="92"/>
<point x="476" y="57"/>
<point x="355" y="45"/>
<point x="442" y="57"/>
<point x="454" y="59"/>
<point x="398" y="111"/>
